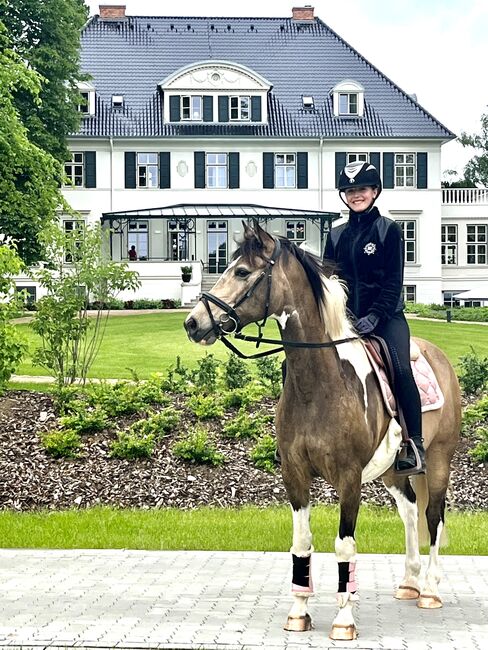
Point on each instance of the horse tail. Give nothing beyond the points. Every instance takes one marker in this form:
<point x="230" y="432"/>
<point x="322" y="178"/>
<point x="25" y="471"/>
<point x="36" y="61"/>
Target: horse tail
<point x="421" y="489"/>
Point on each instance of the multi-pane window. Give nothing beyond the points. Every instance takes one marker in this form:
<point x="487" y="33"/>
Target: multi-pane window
<point x="409" y="293"/>
<point x="357" y="157"/>
<point x="73" y="231"/>
<point x="405" y="169"/>
<point x="74" y="170"/>
<point x="409" y="229"/>
<point x="285" y="170"/>
<point x="348" y="103"/>
<point x="477" y="238"/>
<point x="240" y="108"/>
<point x="295" y="230"/>
<point x="147" y="170"/>
<point x="449" y="245"/>
<point x="217" y="170"/>
<point x="84" y="106"/>
<point x="191" y="107"/>
<point x="138" y="236"/>
<point x="450" y="299"/>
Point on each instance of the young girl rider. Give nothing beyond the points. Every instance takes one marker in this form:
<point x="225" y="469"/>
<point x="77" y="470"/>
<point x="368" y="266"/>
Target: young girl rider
<point x="368" y="252"/>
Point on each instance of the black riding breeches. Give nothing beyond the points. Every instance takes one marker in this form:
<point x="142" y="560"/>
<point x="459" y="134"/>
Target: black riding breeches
<point x="396" y="334"/>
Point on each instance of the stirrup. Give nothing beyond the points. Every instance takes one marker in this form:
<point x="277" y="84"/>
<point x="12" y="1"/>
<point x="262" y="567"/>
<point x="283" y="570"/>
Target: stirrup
<point x="418" y="468"/>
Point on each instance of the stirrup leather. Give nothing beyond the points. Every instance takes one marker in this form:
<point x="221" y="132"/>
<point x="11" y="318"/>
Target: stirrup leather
<point x="402" y="454"/>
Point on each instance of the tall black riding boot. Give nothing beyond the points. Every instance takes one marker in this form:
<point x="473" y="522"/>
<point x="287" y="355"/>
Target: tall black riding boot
<point x="411" y="459"/>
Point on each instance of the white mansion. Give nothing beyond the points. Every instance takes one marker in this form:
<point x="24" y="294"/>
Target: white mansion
<point x="193" y="124"/>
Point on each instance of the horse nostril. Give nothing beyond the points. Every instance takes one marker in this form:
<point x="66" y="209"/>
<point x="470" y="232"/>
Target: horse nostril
<point x="191" y="324"/>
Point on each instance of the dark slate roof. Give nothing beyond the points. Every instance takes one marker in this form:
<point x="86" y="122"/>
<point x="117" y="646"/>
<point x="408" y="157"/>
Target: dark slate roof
<point x="130" y="57"/>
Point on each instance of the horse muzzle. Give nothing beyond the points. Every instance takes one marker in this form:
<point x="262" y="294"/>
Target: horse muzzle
<point x="199" y="332"/>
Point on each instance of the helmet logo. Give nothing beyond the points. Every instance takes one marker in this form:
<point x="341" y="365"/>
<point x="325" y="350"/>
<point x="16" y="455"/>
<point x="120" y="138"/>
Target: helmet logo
<point x="370" y="249"/>
<point x="351" y="180"/>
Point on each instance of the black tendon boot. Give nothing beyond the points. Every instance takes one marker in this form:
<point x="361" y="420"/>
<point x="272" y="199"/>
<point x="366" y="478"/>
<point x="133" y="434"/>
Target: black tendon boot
<point x="411" y="457"/>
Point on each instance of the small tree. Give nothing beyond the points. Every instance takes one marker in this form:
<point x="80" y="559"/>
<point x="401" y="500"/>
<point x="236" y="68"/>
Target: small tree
<point x="76" y="272"/>
<point x="12" y="343"/>
<point x="476" y="171"/>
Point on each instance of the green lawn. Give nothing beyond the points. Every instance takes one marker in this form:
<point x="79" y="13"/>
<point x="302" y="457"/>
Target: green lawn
<point x="249" y="529"/>
<point x="150" y="343"/>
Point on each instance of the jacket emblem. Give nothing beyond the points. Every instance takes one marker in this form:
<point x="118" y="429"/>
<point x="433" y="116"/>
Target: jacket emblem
<point x="370" y="248"/>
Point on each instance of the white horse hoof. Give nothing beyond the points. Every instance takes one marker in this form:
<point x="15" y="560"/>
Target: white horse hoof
<point x="407" y="593"/>
<point x="429" y="602"/>
<point x="298" y="623"/>
<point x="343" y="633"/>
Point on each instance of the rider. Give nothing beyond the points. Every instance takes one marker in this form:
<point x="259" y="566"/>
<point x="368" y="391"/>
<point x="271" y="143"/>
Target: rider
<point x="368" y="251"/>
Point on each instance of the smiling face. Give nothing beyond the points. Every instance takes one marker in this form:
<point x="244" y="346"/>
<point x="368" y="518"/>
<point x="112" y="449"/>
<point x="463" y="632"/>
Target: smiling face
<point x="359" y="199"/>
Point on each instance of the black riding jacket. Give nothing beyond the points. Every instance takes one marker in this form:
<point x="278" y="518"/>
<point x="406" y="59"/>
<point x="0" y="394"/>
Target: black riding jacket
<point x="368" y="252"/>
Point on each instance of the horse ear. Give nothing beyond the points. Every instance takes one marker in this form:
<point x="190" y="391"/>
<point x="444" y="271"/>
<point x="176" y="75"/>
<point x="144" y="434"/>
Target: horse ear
<point x="265" y="239"/>
<point x="248" y="231"/>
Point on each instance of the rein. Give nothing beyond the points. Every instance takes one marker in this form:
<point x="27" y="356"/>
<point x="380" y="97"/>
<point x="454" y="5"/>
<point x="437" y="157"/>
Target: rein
<point x="231" y="316"/>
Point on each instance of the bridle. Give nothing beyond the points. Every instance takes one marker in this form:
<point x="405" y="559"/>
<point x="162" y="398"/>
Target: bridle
<point x="230" y="315"/>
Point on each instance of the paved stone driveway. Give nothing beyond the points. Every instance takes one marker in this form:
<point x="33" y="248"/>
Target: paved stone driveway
<point x="219" y="600"/>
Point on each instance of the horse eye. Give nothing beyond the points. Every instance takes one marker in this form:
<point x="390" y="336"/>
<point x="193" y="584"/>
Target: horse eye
<point x="242" y="273"/>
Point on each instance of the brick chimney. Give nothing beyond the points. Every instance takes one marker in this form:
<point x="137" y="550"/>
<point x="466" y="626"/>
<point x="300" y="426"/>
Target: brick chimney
<point x="303" y="14"/>
<point x="112" y="12"/>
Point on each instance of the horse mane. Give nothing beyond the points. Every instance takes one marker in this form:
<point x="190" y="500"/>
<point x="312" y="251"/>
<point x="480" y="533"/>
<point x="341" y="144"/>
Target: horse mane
<point x="328" y="290"/>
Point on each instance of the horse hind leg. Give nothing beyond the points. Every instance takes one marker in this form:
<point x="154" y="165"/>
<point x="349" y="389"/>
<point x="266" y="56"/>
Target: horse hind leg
<point x="406" y="502"/>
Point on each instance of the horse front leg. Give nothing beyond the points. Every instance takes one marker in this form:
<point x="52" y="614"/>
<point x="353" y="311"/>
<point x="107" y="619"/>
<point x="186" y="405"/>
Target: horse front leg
<point x="344" y="625"/>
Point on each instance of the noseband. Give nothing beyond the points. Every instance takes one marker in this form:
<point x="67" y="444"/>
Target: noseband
<point x="230" y="314"/>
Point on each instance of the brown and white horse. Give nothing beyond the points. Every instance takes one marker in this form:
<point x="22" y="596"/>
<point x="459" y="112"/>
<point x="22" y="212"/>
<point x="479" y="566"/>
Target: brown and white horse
<point x="331" y="421"/>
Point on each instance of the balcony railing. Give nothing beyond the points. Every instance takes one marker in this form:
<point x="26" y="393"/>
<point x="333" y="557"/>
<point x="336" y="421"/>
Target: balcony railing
<point x="465" y="196"/>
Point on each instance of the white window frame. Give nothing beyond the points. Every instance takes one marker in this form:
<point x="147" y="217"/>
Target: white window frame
<point x="285" y="170"/>
<point x="409" y="292"/>
<point x="449" y="244"/>
<point x="362" y="156"/>
<point x="348" y="104"/>
<point x="87" y="91"/>
<point x="352" y="93"/>
<point x="74" y="170"/>
<point x="71" y="225"/>
<point x="295" y="230"/>
<point x="192" y="108"/>
<point x="147" y="169"/>
<point x="216" y="170"/>
<point x="240" y="108"/>
<point x="405" y="168"/>
<point x="137" y="231"/>
<point x="477" y="246"/>
<point x="409" y="231"/>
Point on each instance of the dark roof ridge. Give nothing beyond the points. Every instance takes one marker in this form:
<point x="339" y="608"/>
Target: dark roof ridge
<point x="206" y="17"/>
<point x="383" y="75"/>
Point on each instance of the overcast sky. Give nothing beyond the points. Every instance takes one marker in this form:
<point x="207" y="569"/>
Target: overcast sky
<point x="437" y="49"/>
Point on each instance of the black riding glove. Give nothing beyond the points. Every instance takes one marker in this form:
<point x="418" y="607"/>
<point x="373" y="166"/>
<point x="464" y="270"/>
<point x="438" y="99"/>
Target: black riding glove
<point x="367" y="324"/>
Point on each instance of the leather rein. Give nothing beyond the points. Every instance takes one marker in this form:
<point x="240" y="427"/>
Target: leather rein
<point x="231" y="316"/>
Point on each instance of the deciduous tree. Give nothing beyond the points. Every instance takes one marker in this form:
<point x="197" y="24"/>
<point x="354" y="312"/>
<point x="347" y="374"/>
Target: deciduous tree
<point x="476" y="171"/>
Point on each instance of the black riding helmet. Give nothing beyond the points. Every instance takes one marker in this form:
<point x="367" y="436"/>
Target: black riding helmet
<point x="359" y="174"/>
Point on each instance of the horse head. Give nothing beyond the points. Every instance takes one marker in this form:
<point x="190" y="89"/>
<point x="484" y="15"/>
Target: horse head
<point x="243" y="294"/>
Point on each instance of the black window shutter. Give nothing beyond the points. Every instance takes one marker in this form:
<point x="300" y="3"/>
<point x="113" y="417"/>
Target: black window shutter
<point x="207" y="108"/>
<point x="174" y="108"/>
<point x="223" y="108"/>
<point x="199" y="159"/>
<point x="422" y="171"/>
<point x="256" y="109"/>
<point x="233" y="170"/>
<point x="340" y="163"/>
<point x="375" y="159"/>
<point x="388" y="171"/>
<point x="130" y="169"/>
<point x="90" y="169"/>
<point x="302" y="170"/>
<point x="164" y="170"/>
<point x="268" y="170"/>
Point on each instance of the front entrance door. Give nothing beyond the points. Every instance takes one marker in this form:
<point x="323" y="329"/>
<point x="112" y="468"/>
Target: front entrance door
<point x="216" y="246"/>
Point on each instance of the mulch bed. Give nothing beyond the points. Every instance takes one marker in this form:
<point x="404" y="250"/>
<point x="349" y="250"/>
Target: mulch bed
<point x="30" y="479"/>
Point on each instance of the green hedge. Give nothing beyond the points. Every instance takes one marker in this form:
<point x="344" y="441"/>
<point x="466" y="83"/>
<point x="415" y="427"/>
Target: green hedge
<point x="477" y="314"/>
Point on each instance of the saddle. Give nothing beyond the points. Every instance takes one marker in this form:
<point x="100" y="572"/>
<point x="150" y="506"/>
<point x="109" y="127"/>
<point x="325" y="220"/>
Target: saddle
<point x="431" y="397"/>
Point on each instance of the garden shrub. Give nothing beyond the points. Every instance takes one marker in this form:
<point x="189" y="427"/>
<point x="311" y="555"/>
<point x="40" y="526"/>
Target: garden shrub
<point x="474" y="373"/>
<point x="130" y="445"/>
<point x="196" y="447"/>
<point x="178" y="378"/>
<point x="61" y="444"/>
<point x="480" y="450"/>
<point x="263" y="453"/>
<point x="246" y="425"/>
<point x="476" y="415"/>
<point x="236" y="372"/>
<point x="121" y="398"/>
<point x="205" y="406"/>
<point x="240" y="397"/>
<point x="156" y="425"/>
<point x="269" y="370"/>
<point x="205" y="377"/>
<point x="85" y="420"/>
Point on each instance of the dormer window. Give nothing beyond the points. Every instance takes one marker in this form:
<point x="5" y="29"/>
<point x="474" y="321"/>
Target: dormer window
<point x="87" y="104"/>
<point x="191" y="107"/>
<point x="240" y="108"/>
<point x="308" y="103"/>
<point x="348" y="99"/>
<point x="117" y="101"/>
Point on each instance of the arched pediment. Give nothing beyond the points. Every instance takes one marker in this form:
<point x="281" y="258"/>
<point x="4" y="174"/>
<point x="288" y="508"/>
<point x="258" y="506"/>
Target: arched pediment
<point x="216" y="76"/>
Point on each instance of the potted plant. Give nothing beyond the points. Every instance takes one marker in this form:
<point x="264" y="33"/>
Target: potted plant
<point x="186" y="272"/>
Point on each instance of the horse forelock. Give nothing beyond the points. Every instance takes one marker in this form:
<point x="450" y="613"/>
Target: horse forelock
<point x="328" y="291"/>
